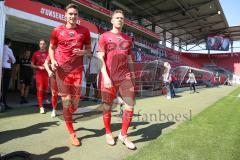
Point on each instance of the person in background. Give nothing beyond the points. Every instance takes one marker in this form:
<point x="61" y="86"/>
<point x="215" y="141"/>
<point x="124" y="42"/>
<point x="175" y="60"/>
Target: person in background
<point x="217" y="79"/>
<point x="173" y="84"/>
<point x="38" y="60"/>
<point x="228" y="81"/>
<point x="167" y="78"/>
<point x="191" y="80"/>
<point x="91" y="79"/>
<point x="26" y="72"/>
<point x="8" y="60"/>
<point x="139" y="55"/>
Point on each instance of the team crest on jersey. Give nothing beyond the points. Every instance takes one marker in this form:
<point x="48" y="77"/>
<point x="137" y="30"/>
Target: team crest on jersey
<point x="71" y="34"/>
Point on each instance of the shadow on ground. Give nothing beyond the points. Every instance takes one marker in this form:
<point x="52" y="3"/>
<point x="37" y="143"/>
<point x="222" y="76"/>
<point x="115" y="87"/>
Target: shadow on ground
<point x="150" y="132"/>
<point x="147" y="133"/>
<point x="24" y="132"/>
<point x="51" y="153"/>
<point x="23" y="155"/>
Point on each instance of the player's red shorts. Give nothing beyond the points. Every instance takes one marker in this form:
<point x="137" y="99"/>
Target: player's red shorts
<point x="125" y="88"/>
<point x="42" y="81"/>
<point x="69" y="83"/>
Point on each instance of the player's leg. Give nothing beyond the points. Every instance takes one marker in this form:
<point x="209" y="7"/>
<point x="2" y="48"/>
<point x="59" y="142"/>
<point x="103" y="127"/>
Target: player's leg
<point x="40" y="92"/>
<point x="54" y="95"/>
<point x="74" y="82"/>
<point x="45" y="87"/>
<point x="108" y="95"/>
<point x="26" y="90"/>
<point x="66" y="101"/>
<point x="126" y="90"/>
<point x="22" y="85"/>
<point x="65" y="82"/>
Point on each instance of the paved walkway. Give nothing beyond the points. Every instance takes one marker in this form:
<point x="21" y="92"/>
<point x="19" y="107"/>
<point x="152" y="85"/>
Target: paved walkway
<point x="23" y="128"/>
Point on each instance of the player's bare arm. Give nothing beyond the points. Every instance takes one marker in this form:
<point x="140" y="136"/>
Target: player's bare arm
<point x="36" y="67"/>
<point x="131" y="67"/>
<point x="46" y="66"/>
<point x="106" y="80"/>
<point x="86" y="51"/>
<point x="51" y="52"/>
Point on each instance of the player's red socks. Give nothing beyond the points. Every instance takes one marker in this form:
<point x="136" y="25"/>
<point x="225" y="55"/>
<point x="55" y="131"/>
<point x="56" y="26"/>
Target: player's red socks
<point x="107" y="121"/>
<point x="68" y="119"/>
<point x="69" y="123"/>
<point x="126" y="121"/>
<point x="40" y="98"/>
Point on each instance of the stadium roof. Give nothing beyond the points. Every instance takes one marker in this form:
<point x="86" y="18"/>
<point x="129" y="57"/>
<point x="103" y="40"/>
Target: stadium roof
<point x="189" y="20"/>
<point x="233" y="33"/>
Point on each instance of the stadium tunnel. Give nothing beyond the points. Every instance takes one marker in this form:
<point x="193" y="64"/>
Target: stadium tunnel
<point x="27" y="22"/>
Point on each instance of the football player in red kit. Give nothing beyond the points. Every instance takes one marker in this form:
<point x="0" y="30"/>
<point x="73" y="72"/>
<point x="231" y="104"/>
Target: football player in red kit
<point x="41" y="76"/>
<point x="68" y="44"/>
<point x="53" y="84"/>
<point x="114" y="51"/>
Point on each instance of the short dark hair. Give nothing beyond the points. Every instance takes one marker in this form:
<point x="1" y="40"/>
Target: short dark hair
<point x="117" y="11"/>
<point x="42" y="40"/>
<point x="71" y="5"/>
<point x="7" y="41"/>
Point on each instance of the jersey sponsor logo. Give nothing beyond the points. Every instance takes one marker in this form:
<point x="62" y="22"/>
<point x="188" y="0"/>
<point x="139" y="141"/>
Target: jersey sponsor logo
<point x="124" y="45"/>
<point x="119" y="38"/>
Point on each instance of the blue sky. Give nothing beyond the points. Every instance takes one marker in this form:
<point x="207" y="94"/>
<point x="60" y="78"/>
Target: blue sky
<point x="231" y="9"/>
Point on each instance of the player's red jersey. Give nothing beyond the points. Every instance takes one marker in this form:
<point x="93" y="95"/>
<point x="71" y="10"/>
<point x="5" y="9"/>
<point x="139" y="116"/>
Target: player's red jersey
<point x="38" y="59"/>
<point x="67" y="39"/>
<point x="117" y="47"/>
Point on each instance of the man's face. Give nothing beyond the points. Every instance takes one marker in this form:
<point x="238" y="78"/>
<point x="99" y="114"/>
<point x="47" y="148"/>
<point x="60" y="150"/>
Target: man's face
<point x="71" y="15"/>
<point x="42" y="45"/>
<point x="118" y="20"/>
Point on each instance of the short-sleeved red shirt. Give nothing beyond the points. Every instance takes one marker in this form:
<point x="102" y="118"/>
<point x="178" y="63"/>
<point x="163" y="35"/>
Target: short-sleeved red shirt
<point x="67" y="39"/>
<point x="38" y="59"/>
<point x="116" y="47"/>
